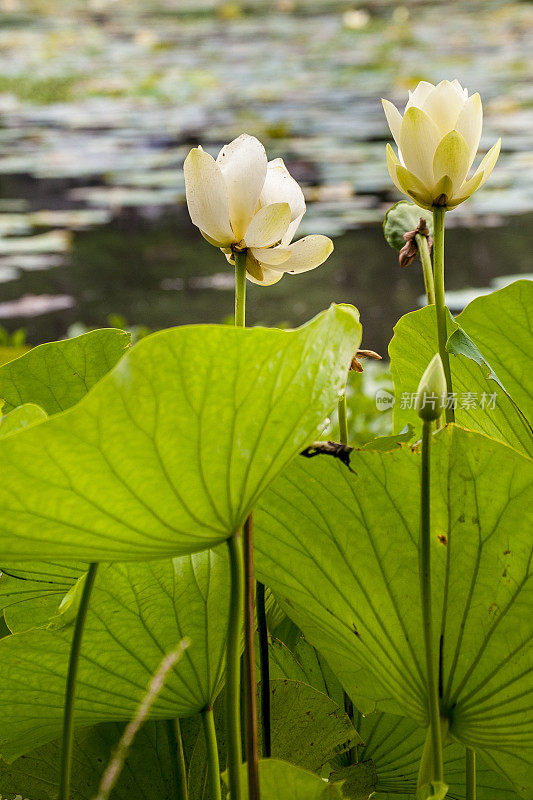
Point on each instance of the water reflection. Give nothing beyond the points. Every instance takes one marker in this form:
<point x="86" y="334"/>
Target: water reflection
<point x="160" y="273"/>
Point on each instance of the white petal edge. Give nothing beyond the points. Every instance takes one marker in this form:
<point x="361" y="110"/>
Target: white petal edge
<point x="470" y="123"/>
<point x="443" y="105"/>
<point x="291" y="231"/>
<point x="394" y="119"/>
<point x="207" y="196"/>
<point x="307" y="254"/>
<point x="281" y="187"/>
<point x="243" y="164"/>
<point x="418" y="96"/>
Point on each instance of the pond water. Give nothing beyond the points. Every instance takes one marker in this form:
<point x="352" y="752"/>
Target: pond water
<point x="99" y="104"/>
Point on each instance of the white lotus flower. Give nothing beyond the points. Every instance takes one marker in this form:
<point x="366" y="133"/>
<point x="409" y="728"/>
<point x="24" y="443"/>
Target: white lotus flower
<point x="242" y="202"/>
<point x="438" y="138"/>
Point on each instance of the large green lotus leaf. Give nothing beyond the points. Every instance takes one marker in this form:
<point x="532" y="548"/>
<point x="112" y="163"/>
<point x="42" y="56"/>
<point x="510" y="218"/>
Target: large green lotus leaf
<point x="483" y="403"/>
<point x="31" y="592"/>
<point x="501" y="324"/>
<point x="168" y="453"/>
<point x="395" y="744"/>
<point x="138" y="613"/>
<point x="146" y="774"/>
<point x="308" y="727"/>
<point x="57" y="375"/>
<point x="341" y="548"/>
<point x="392" y="745"/>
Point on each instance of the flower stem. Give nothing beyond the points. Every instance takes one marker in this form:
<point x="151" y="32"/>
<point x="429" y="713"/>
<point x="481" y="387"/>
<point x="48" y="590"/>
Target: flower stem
<point x="250" y="687"/>
<point x="470" y="774"/>
<point x="177" y="759"/>
<point x="70" y="692"/>
<point x="427" y="619"/>
<point x="233" y="668"/>
<point x="343" y="420"/>
<point x="213" y="766"/>
<point x="240" y="288"/>
<point x="247" y="557"/>
<point x="265" y="670"/>
<point x="427" y="268"/>
<point x="440" y="303"/>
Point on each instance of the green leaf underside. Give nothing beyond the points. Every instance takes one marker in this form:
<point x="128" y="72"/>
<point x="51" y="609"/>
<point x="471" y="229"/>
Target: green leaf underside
<point x="501" y="323"/>
<point x="392" y="745"/>
<point x="138" y="614"/>
<point x="395" y="746"/>
<point x="30" y="593"/>
<point x="413" y="346"/>
<point x="167" y="454"/>
<point x="57" y="375"/>
<point x="341" y="548"/>
<point x="308" y="727"/>
<point x="280" y="780"/>
<point x="146" y="773"/>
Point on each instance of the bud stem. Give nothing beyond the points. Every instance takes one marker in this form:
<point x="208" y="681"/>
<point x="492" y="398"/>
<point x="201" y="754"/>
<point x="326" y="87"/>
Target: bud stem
<point x="440" y="302"/>
<point x="427" y="617"/>
<point x="427" y="269"/>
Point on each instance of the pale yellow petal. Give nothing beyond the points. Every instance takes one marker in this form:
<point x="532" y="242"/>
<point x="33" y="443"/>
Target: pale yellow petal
<point x="263" y="277"/>
<point x="489" y="162"/>
<point x="444" y="105"/>
<point x="418" y="96"/>
<point x="469" y="124"/>
<point x="412" y="186"/>
<point x="392" y="163"/>
<point x="468" y="188"/>
<point x="243" y="163"/>
<point x="452" y="159"/>
<point x="291" y="231"/>
<point x="394" y="119"/>
<point x="419" y="138"/>
<point x="307" y="254"/>
<point x="268" y="225"/>
<point x="207" y="196"/>
<point x="280" y="187"/>
<point x="271" y="256"/>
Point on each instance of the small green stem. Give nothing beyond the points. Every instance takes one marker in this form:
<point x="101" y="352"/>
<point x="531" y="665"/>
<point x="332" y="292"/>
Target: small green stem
<point x="470" y="774"/>
<point x="177" y="758"/>
<point x="427" y="268"/>
<point x="233" y="663"/>
<point x="213" y="766"/>
<point x="343" y="420"/>
<point x="70" y="692"/>
<point x="265" y="669"/>
<point x="427" y="619"/>
<point x="240" y="288"/>
<point x="440" y="303"/>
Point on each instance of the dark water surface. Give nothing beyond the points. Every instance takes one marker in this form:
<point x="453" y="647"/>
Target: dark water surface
<point x="160" y="272"/>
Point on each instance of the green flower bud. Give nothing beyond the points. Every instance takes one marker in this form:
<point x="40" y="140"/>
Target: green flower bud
<point x="431" y="395"/>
